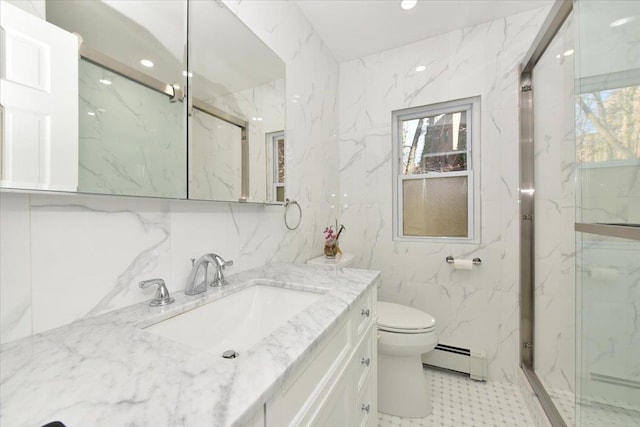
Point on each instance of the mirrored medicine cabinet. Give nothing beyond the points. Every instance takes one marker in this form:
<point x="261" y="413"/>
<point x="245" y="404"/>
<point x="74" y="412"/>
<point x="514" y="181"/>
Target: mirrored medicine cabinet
<point x="175" y="99"/>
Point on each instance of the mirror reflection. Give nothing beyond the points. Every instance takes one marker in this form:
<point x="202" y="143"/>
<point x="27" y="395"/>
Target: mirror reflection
<point x="238" y="99"/>
<point x="143" y="115"/>
<point x="131" y="129"/>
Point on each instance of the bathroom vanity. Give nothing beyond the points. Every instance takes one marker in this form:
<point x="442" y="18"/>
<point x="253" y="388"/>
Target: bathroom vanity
<point x="304" y="336"/>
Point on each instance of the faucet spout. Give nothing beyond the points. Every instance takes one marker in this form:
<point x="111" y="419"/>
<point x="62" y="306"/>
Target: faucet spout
<point x="194" y="288"/>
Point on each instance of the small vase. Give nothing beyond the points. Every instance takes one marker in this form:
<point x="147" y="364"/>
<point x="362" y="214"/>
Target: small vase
<point x="331" y="248"/>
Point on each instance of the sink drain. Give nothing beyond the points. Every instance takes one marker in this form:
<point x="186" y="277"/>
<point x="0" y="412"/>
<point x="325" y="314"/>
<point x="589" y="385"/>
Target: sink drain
<point x="230" y="354"/>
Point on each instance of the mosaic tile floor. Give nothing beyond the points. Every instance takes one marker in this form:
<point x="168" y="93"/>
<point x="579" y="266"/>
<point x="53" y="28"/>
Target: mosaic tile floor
<point x="460" y="401"/>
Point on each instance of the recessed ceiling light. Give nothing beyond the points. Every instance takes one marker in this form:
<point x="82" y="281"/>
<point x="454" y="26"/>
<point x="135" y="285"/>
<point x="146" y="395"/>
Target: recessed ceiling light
<point x="408" y="4"/>
<point x="256" y="119"/>
<point x="91" y="113"/>
<point x="619" y="22"/>
<point x="105" y="82"/>
<point x="568" y="52"/>
<point x="146" y="63"/>
<point x="187" y="74"/>
<point x="420" y="68"/>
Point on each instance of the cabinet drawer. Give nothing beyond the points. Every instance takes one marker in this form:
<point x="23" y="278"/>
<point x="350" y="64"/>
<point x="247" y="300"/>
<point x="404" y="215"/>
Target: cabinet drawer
<point x="366" y="412"/>
<point x="364" y="312"/>
<point x="363" y="360"/>
<point x="299" y="392"/>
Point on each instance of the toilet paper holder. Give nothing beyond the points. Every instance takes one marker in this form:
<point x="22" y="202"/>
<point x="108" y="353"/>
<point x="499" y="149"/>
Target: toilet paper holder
<point x="476" y="260"/>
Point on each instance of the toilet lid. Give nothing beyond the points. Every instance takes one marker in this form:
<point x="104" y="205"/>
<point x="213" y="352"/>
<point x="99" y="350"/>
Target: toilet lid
<point x="400" y="318"/>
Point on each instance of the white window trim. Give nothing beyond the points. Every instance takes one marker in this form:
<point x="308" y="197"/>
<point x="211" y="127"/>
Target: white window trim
<point x="473" y="162"/>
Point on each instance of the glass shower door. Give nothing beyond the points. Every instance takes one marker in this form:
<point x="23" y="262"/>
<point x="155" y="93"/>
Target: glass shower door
<point x="554" y="213"/>
<point x="608" y="212"/>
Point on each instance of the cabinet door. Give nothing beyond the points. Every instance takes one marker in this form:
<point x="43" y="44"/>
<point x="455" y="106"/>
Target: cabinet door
<point x="337" y="409"/>
<point x="39" y="103"/>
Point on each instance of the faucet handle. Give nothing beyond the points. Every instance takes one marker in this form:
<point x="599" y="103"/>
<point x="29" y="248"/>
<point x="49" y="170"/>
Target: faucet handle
<point x="221" y="262"/>
<point x="162" y="296"/>
<point x="219" y="279"/>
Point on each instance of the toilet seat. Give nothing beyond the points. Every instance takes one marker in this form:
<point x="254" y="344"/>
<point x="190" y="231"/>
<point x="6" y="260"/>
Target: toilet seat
<point x="405" y="331"/>
<point x="401" y="319"/>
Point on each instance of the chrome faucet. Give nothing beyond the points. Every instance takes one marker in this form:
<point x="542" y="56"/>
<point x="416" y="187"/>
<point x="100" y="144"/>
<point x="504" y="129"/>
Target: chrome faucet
<point x="162" y="296"/>
<point x="193" y="288"/>
<point x="218" y="279"/>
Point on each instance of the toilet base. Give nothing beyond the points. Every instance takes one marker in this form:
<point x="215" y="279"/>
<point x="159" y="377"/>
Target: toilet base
<point x="402" y="386"/>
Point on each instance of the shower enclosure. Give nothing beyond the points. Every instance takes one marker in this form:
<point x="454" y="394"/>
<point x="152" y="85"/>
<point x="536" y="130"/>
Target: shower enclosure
<point x="580" y="210"/>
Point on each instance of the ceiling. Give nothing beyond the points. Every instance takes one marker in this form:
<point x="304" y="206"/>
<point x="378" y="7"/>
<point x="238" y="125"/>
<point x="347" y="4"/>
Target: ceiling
<point x="356" y="28"/>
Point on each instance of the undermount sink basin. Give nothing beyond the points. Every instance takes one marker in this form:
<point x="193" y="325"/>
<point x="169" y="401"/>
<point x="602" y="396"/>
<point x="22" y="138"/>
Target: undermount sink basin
<point x="237" y="321"/>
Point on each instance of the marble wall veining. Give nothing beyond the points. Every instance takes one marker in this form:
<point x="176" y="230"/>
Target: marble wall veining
<point x="478" y="308"/>
<point x="68" y="256"/>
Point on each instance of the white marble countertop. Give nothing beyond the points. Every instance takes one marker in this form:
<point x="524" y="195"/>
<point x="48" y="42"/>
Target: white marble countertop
<point x="107" y="371"/>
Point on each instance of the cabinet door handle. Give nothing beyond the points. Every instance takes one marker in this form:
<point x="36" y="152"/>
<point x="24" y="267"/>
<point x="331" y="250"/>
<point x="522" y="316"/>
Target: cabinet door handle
<point x="365" y="408"/>
<point x="365" y="312"/>
<point x="365" y="361"/>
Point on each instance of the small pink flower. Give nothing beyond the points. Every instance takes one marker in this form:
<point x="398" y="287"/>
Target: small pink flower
<point x="331" y="234"/>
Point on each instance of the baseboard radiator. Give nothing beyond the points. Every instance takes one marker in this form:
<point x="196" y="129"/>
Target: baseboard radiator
<point x="468" y="361"/>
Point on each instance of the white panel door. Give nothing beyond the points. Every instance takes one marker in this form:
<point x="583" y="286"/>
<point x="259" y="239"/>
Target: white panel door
<point x="38" y="103"/>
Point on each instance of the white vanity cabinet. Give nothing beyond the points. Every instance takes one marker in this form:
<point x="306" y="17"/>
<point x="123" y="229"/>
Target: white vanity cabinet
<point x="336" y="385"/>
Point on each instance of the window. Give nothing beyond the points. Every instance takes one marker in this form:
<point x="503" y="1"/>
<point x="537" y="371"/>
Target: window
<point x="435" y="168"/>
<point x="275" y="148"/>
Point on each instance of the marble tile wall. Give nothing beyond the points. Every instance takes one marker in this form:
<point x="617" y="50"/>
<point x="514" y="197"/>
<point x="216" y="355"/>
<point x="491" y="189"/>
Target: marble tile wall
<point x="555" y="175"/>
<point x="476" y="308"/>
<point x="68" y="256"/>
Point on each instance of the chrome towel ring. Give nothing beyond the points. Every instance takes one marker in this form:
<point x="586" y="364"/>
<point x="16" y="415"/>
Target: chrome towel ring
<point x="287" y="204"/>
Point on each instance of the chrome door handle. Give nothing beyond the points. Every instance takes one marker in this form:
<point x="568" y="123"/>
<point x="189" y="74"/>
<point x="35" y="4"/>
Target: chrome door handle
<point x="365" y="361"/>
<point x="365" y="312"/>
<point x="365" y="408"/>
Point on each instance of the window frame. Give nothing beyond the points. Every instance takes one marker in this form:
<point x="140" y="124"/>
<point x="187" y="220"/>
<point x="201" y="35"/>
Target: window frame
<point x="472" y="106"/>
<point x="272" y="165"/>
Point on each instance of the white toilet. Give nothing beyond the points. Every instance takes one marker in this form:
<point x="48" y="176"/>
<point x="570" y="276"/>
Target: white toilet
<point x="404" y="334"/>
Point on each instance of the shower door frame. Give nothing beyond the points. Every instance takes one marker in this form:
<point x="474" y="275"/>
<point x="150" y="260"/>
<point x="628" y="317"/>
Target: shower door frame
<point x="557" y="15"/>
